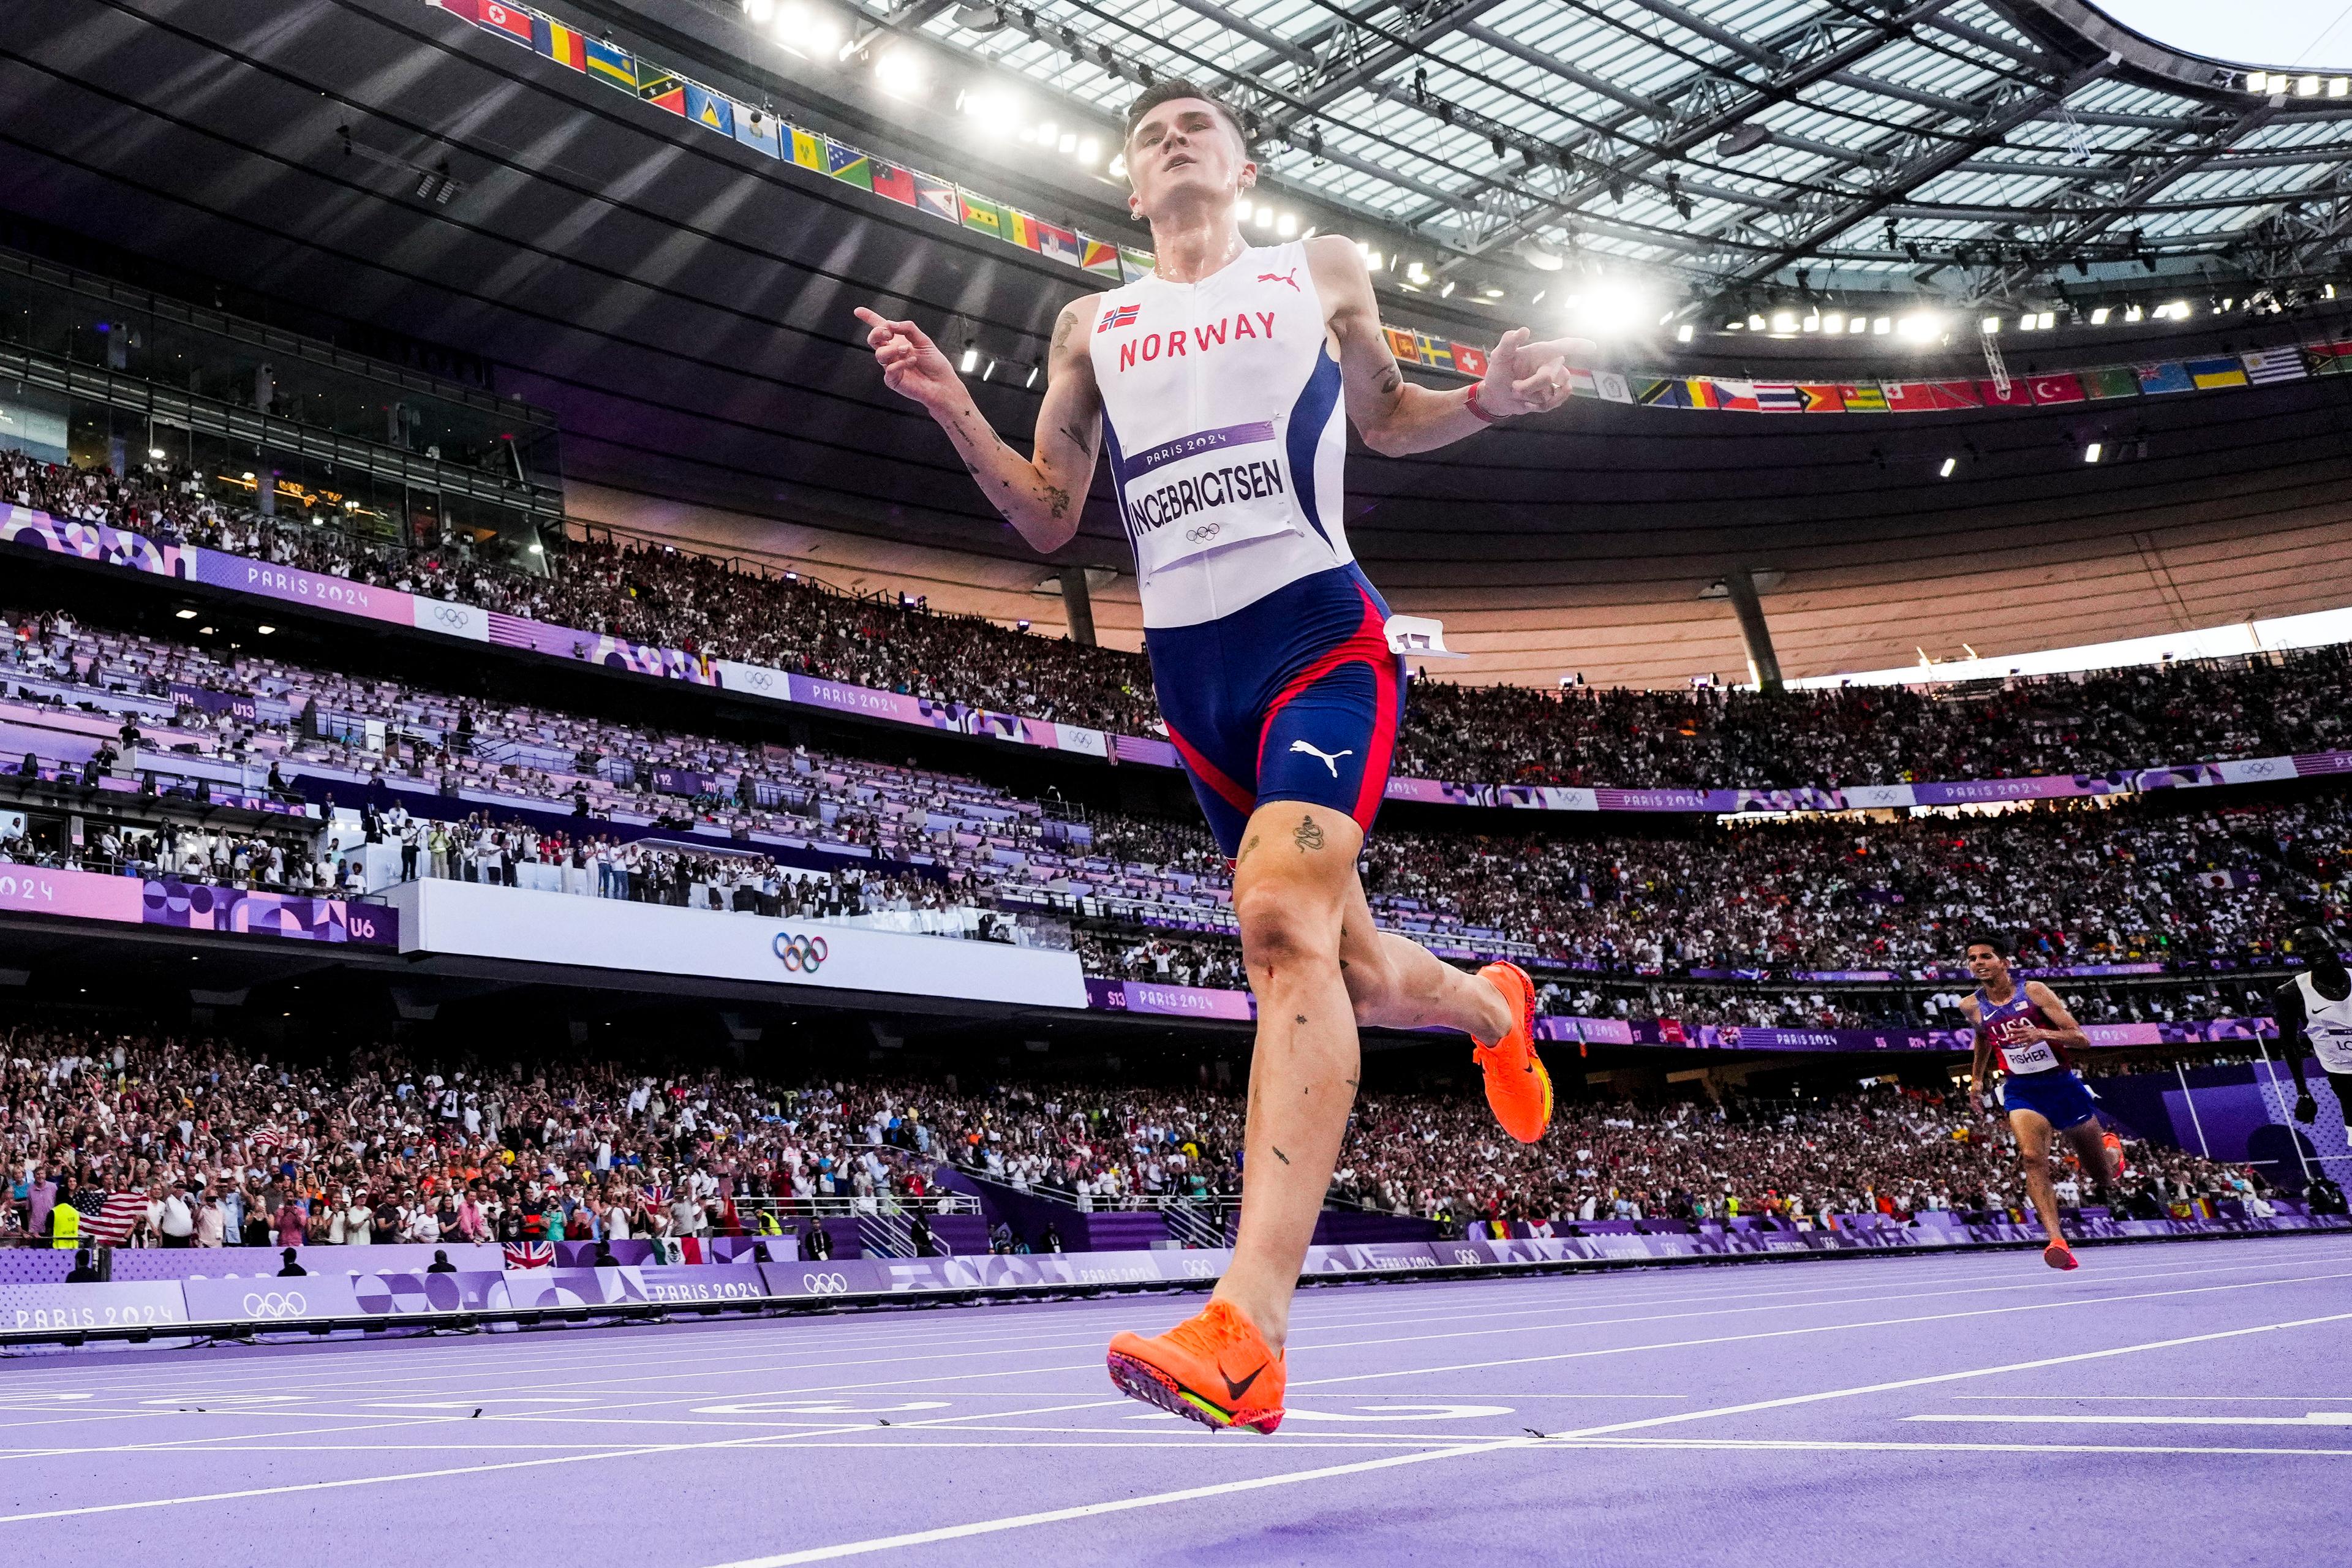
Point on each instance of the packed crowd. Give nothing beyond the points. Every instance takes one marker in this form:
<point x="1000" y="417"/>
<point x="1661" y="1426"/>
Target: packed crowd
<point x="2167" y="877"/>
<point x="226" y="1146"/>
<point x="2126" y="719"/>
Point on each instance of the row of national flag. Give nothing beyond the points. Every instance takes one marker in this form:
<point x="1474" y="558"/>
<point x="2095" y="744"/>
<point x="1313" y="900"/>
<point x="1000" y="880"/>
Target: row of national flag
<point x="2100" y="384"/>
<point x="762" y="130"/>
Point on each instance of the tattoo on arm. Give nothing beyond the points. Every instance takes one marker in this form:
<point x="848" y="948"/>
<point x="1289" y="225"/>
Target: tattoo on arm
<point x="1390" y="382"/>
<point x="1307" y="835"/>
<point x="1355" y="1083"/>
<point x="1280" y="1155"/>
<point x="1056" y="499"/>
<point x="1302" y="1018"/>
<point x="1247" y="848"/>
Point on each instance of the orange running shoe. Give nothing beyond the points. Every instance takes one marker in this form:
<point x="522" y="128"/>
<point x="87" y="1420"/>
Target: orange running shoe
<point x="2058" y="1255"/>
<point x="1215" y="1369"/>
<point x="2114" y="1146"/>
<point x="1518" y="1086"/>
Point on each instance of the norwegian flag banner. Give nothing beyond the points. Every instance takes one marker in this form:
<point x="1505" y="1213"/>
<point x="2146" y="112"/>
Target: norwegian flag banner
<point x="531" y="1254"/>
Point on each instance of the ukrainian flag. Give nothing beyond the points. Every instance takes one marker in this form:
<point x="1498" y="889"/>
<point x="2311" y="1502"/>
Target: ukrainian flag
<point x="616" y="67"/>
<point x="2210" y="372"/>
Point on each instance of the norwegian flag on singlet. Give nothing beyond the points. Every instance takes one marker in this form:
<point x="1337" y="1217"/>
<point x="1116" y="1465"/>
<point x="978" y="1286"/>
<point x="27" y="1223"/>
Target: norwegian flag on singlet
<point x="1119" y="316"/>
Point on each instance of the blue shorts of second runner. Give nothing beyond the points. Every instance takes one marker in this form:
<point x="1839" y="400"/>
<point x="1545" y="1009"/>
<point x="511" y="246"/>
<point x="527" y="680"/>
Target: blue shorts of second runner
<point x="1296" y="697"/>
<point x="2058" y="1097"/>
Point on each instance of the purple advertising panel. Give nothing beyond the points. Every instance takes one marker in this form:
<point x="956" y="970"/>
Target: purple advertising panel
<point x="36" y="1308"/>
<point x="318" y="590"/>
<point x="690" y="1282"/>
<point x="1137" y="749"/>
<point x="2312" y="764"/>
<point x="1666" y="799"/>
<point x="1172" y="1001"/>
<point x="94" y="541"/>
<point x="598" y="647"/>
<point x="198" y="907"/>
<point x="228" y="702"/>
<point x="80" y="895"/>
<point x="843" y="697"/>
<point x="1966" y="792"/>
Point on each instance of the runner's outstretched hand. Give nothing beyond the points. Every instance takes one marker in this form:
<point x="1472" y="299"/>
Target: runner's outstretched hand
<point x="912" y="365"/>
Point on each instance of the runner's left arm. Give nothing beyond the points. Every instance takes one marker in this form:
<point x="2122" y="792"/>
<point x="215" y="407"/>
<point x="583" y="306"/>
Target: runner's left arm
<point x="1391" y="414"/>
<point x="2063" y="1033"/>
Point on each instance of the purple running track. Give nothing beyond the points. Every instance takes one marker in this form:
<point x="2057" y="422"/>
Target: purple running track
<point x="2176" y="1403"/>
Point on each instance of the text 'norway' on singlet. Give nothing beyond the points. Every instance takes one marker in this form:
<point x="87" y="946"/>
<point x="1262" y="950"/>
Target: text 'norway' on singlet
<point x="1223" y="424"/>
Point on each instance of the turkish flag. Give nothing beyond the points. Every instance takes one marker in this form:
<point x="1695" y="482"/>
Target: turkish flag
<point x="2056" y="388"/>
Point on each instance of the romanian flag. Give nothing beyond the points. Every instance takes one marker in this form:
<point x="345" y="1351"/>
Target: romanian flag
<point x="559" y="43"/>
<point x="2110" y="381"/>
<point x="1056" y="242"/>
<point x="848" y="165"/>
<point x="708" y="110"/>
<point x="1098" y="257"/>
<point x="938" y="197"/>
<point x="1862" y="396"/>
<point x="1021" y="228"/>
<point x="661" y="88"/>
<point x="2055" y="389"/>
<point x="1991" y="395"/>
<point x="758" y="130"/>
<point x="1469" y="361"/>
<point x="808" y="149"/>
<point x="2211" y="373"/>
<point x="1822" y="399"/>
<point x="618" y="67"/>
<point x="897" y="184"/>
<point x="982" y="214"/>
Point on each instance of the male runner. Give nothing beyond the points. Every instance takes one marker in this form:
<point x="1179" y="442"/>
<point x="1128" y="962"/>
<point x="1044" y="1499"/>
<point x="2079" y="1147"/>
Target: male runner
<point x="2315" y="1008"/>
<point x="2030" y="1030"/>
<point x="1216" y="383"/>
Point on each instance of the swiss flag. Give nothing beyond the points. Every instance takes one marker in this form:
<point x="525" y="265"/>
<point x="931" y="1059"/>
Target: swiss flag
<point x="1469" y="361"/>
<point x="2056" y="388"/>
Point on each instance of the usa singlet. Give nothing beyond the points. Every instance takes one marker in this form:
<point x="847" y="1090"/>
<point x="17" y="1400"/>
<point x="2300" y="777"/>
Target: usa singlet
<point x="1225" y="428"/>
<point x="2039" y="1078"/>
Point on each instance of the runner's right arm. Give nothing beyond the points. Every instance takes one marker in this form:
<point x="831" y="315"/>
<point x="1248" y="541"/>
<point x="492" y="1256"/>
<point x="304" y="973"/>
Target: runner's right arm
<point x="1979" y="1064"/>
<point x="1040" y="495"/>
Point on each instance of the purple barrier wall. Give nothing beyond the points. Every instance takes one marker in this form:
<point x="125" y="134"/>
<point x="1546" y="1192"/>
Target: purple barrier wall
<point x="86" y="895"/>
<point x="263" y="1262"/>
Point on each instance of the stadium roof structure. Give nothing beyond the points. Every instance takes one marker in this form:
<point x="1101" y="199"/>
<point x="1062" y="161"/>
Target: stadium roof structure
<point x="1970" y="149"/>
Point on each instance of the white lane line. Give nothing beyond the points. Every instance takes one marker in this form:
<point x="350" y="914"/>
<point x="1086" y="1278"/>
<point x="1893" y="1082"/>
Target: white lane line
<point x="636" y="1452"/>
<point x="2165" y="1398"/>
<point x="1565" y="1439"/>
<point x="2093" y="1301"/>
<point x="2313" y="1418"/>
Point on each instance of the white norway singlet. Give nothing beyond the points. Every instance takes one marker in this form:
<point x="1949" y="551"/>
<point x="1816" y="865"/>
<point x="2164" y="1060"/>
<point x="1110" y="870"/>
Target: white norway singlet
<point x="2327" y="1025"/>
<point x="1222" y="420"/>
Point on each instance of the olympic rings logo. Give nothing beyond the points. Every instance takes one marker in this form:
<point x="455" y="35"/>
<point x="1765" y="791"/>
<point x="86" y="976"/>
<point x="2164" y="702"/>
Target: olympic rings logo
<point x="825" y="1284"/>
<point x="801" y="953"/>
<point x="1205" y="532"/>
<point x="453" y="614"/>
<point x="273" y="1305"/>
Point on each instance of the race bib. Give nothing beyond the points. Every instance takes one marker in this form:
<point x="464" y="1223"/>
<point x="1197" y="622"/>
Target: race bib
<point x="2332" y="1044"/>
<point x="2034" y="1056"/>
<point x="1204" y="491"/>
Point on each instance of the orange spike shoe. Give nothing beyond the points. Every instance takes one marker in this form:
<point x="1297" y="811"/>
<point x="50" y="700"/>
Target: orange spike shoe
<point x="2060" y="1255"/>
<point x="1518" y="1087"/>
<point x="1215" y="1368"/>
